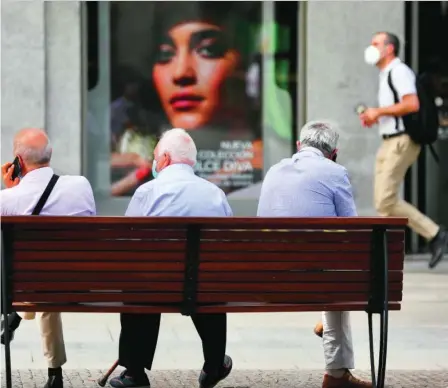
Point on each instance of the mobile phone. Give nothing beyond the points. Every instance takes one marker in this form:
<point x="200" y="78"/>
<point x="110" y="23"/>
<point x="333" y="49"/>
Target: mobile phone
<point x="17" y="168"/>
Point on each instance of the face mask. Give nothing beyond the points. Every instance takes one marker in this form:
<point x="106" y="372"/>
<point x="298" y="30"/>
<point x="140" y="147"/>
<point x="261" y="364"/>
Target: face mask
<point x="154" y="166"/>
<point x="372" y="55"/>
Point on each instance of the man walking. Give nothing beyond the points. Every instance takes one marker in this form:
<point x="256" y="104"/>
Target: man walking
<point x="397" y="151"/>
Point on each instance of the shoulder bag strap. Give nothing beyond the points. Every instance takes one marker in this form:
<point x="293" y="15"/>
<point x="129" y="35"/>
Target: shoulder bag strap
<point x="45" y="195"/>
<point x="394" y="92"/>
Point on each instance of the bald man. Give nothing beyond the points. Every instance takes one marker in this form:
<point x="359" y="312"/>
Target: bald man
<point x="69" y="196"/>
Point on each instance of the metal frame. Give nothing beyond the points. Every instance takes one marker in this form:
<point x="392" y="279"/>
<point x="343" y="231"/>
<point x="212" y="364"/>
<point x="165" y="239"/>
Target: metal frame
<point x="378" y="303"/>
<point x="6" y="302"/>
<point x="191" y="270"/>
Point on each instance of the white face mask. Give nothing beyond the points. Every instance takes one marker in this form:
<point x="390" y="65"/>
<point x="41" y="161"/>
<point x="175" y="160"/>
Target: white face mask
<point x="372" y="55"/>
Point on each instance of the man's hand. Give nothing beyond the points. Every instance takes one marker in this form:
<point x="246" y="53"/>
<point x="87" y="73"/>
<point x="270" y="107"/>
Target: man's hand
<point x="7" y="170"/>
<point x="369" y="117"/>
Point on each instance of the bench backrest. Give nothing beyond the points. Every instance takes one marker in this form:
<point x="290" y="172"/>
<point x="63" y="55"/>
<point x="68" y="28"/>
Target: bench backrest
<point x="195" y="264"/>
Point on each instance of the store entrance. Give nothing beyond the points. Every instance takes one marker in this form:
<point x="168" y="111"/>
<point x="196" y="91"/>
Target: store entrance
<point x="427" y="184"/>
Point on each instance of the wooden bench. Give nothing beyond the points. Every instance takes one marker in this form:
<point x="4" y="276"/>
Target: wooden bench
<point x="194" y="265"/>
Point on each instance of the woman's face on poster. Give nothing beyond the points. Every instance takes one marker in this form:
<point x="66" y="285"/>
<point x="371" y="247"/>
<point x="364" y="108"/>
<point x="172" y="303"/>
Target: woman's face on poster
<point x="194" y="61"/>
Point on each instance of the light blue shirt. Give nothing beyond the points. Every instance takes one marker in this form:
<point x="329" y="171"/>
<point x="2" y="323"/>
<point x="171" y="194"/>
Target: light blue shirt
<point x="306" y="185"/>
<point x="178" y="192"/>
<point x="71" y="196"/>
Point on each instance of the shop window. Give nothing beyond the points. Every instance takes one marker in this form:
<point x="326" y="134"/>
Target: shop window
<point x="224" y="71"/>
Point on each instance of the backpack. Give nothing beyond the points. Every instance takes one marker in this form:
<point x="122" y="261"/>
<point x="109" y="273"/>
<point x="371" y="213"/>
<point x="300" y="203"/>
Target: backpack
<point x="421" y="126"/>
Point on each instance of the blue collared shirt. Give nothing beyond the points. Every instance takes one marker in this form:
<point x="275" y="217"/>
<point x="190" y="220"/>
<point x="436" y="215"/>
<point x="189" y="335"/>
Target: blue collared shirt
<point x="178" y="192"/>
<point x="306" y="185"/>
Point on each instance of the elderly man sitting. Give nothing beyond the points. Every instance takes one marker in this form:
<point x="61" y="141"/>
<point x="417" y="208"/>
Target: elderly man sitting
<point x="311" y="184"/>
<point x="177" y="191"/>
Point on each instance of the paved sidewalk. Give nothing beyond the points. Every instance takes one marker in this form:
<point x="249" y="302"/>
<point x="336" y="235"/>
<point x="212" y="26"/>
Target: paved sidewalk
<point x="238" y="379"/>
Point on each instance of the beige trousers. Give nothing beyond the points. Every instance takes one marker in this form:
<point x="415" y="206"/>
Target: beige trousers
<point x="52" y="337"/>
<point x="393" y="159"/>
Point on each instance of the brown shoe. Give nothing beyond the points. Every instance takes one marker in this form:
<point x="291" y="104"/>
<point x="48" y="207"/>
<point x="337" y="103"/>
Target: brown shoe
<point x="346" y="381"/>
<point x="319" y="329"/>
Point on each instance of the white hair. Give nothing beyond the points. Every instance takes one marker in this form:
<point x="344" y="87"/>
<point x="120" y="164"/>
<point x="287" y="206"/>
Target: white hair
<point x="179" y="145"/>
<point x="34" y="155"/>
<point x="320" y="134"/>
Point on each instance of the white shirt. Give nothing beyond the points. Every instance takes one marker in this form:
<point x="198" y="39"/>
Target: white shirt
<point x="71" y="196"/>
<point x="403" y="80"/>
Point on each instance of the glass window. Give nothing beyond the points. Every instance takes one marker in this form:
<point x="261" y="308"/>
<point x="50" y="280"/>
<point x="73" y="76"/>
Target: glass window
<point x="224" y="71"/>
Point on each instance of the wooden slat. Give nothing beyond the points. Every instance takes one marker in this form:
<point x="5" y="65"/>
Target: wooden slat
<point x="81" y="234"/>
<point x="278" y="287"/>
<point x="286" y="235"/>
<point x="155" y="256"/>
<point x="62" y="222"/>
<point x="202" y="297"/>
<point x="294" y="266"/>
<point x="116" y="245"/>
<point x="262" y="246"/>
<point x="208" y="266"/>
<point x="275" y="276"/>
<point x="276" y="257"/>
<point x="222" y="308"/>
<point x="92" y="256"/>
<point x="99" y="266"/>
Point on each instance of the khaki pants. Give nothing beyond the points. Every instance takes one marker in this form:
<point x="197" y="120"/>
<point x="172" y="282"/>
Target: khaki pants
<point x="52" y="337"/>
<point x="393" y="159"/>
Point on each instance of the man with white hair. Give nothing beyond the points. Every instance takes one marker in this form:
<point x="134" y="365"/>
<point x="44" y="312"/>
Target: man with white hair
<point x="37" y="190"/>
<point x="311" y="184"/>
<point x="176" y="192"/>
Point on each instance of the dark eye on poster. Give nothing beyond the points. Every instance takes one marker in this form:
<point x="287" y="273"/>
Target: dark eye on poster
<point x="194" y="65"/>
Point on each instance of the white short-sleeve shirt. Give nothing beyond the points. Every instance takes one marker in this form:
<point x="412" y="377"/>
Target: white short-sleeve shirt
<point x="403" y="79"/>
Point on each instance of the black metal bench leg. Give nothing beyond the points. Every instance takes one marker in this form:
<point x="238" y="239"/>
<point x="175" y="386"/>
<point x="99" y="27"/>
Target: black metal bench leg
<point x="5" y="305"/>
<point x="372" y="351"/>
<point x="379" y="378"/>
<point x="7" y="353"/>
<point x="383" y="348"/>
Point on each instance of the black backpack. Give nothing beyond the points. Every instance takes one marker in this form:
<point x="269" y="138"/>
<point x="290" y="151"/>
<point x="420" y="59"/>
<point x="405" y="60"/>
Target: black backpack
<point x="421" y="126"/>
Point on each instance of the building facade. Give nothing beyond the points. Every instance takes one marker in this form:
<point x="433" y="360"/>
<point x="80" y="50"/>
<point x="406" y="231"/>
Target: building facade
<point x="97" y="76"/>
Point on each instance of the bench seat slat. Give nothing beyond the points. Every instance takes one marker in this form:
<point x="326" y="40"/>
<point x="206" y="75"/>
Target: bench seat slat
<point x="202" y="297"/>
<point x="153" y="256"/>
<point x="218" y="235"/>
<point x="275" y="276"/>
<point x="227" y="307"/>
<point x="129" y="266"/>
<point x="124" y="286"/>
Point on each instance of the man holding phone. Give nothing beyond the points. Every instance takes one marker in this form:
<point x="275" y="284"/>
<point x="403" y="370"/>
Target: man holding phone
<point x="32" y="188"/>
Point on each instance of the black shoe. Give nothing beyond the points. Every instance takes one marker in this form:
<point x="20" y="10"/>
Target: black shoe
<point x="210" y="381"/>
<point x="13" y="323"/>
<point x="438" y="247"/>
<point x="54" y="382"/>
<point x="125" y="380"/>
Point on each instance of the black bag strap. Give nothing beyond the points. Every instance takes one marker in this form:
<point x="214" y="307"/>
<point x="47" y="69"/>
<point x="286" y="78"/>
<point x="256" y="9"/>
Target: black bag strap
<point x="45" y="195"/>
<point x="394" y="92"/>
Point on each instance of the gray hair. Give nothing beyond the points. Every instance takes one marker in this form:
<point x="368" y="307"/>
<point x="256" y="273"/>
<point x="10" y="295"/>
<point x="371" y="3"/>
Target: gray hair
<point x="33" y="155"/>
<point x="179" y="145"/>
<point x="320" y="134"/>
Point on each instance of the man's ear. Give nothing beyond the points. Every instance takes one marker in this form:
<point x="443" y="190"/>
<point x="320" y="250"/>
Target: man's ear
<point x="298" y="145"/>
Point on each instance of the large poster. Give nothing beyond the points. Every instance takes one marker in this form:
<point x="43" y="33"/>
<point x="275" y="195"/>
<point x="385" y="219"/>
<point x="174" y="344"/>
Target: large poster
<point x="193" y="65"/>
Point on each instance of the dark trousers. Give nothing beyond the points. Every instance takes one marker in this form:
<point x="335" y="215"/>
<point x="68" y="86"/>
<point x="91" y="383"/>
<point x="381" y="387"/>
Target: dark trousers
<point x="139" y="334"/>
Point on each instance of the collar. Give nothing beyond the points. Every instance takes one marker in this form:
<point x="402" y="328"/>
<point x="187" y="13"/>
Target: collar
<point x="177" y="167"/>
<point x="37" y="174"/>
<point x="390" y="66"/>
<point x="308" y="150"/>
